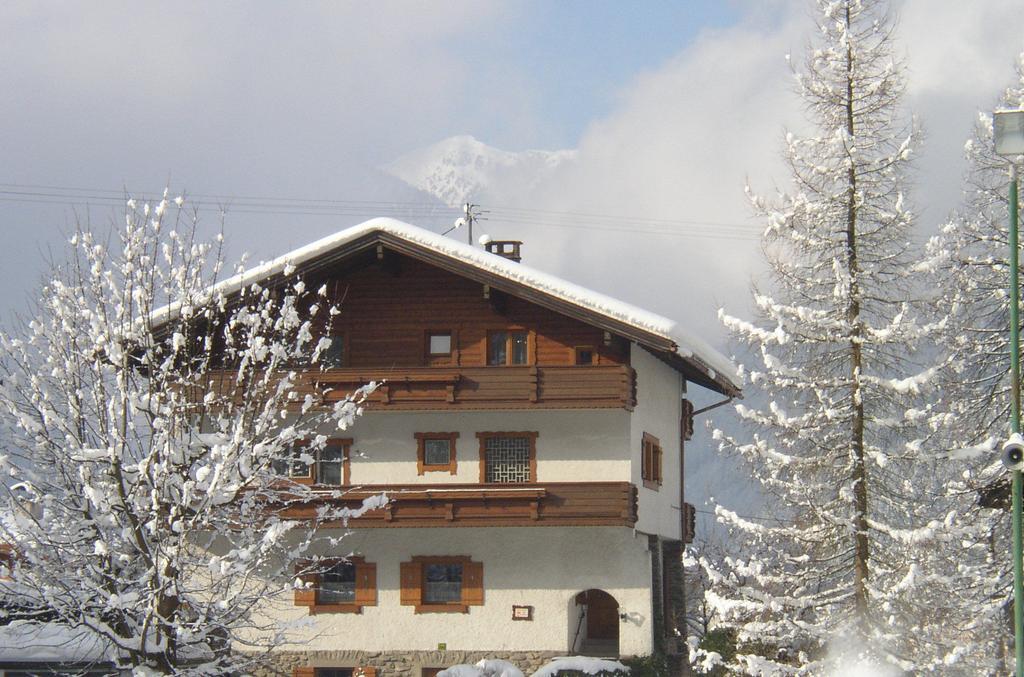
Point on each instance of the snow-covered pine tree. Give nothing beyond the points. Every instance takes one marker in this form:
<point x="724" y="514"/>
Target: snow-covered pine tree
<point x="835" y="344"/>
<point x="145" y="408"/>
<point x="970" y="261"/>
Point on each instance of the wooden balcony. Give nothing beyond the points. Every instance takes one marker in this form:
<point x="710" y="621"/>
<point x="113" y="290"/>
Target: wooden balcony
<point x="489" y="505"/>
<point x="528" y="387"/>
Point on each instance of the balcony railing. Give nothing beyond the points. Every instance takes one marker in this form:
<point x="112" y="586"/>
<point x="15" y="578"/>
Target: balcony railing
<point x="477" y="505"/>
<point x="562" y="387"/>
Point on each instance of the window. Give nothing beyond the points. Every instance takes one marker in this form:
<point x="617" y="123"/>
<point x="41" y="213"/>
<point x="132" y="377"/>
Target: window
<point x="650" y="462"/>
<point x="584" y="354"/>
<point x="439" y="343"/>
<point x="508" y="457"/>
<point x="292" y="465"/>
<point x="336" y="585"/>
<point x="442" y="584"/>
<point x="435" y="452"/>
<point x="330" y="465"/>
<point x="508" y="347"/>
<point x="334" y="355"/>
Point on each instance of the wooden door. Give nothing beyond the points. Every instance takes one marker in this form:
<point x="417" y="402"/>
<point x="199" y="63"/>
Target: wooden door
<point x="602" y="616"/>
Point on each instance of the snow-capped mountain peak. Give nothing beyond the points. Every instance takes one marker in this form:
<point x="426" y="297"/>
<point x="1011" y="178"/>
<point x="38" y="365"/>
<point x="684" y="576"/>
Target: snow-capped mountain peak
<point x="461" y="168"/>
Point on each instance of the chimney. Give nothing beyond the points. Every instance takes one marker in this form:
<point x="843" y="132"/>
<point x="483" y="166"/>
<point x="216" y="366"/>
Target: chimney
<point x="506" y="248"/>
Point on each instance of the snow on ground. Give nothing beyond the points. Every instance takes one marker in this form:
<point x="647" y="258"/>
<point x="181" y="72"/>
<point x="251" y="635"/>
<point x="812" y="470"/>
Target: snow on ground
<point x="499" y="668"/>
<point x="588" y="666"/>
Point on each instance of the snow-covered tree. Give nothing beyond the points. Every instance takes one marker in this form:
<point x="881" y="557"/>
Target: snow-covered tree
<point x="970" y="258"/>
<point x="834" y="360"/>
<point x="145" y="406"/>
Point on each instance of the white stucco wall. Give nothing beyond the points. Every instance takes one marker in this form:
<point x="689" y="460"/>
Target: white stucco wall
<point x="572" y="446"/>
<point x="544" y="567"/>
<point x="658" y="410"/>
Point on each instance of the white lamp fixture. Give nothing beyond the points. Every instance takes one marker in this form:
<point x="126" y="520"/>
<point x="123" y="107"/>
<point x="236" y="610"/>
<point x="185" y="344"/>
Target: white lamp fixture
<point x="1009" y="132"/>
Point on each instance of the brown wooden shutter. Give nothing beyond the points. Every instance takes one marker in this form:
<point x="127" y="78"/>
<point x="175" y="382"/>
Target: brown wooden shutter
<point x="306" y="596"/>
<point x="657" y="463"/>
<point x="366" y="583"/>
<point x="304" y="672"/>
<point x="365" y="672"/>
<point x="412" y="583"/>
<point x="473" y="583"/>
<point x="645" y="460"/>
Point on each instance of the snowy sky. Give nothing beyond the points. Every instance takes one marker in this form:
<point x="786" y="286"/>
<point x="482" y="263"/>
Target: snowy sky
<point x="671" y="107"/>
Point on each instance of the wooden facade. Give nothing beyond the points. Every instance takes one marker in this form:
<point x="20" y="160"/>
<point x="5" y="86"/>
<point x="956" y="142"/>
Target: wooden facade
<point x="475" y="505"/>
<point x="389" y="305"/>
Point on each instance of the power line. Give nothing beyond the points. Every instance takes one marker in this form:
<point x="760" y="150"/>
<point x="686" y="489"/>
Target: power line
<point x="749" y="517"/>
<point x="301" y="206"/>
<point x="108" y="194"/>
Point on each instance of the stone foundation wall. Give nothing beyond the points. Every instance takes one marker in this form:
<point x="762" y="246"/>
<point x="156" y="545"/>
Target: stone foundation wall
<point x="403" y="663"/>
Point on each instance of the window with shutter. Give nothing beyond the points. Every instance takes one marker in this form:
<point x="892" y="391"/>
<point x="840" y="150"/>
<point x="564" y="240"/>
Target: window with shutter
<point x="336" y="585"/>
<point x="442" y="584"/>
<point x="650" y="461"/>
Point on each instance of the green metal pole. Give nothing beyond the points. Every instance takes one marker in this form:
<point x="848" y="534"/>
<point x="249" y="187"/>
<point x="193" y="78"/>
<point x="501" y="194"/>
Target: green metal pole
<point x="1018" y="546"/>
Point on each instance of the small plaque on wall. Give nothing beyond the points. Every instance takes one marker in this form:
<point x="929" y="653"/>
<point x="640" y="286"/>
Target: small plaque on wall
<point x="522" y="613"/>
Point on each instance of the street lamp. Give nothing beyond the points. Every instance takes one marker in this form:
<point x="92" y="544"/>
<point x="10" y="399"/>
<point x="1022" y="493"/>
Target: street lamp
<point x="1009" y="138"/>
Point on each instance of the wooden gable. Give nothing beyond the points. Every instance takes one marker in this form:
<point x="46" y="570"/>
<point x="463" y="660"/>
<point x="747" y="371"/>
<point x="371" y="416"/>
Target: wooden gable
<point x="389" y="304"/>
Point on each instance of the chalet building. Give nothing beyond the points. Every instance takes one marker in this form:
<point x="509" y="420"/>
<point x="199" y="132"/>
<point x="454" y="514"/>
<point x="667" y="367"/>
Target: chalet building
<point x="529" y="435"/>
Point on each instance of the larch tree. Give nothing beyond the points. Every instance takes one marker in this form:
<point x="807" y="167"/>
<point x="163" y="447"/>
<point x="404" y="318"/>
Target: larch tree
<point x="970" y="261"/>
<point x="834" y="357"/>
<point x="147" y="409"/>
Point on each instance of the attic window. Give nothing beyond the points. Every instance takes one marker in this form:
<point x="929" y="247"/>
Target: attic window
<point x="439" y="343"/>
<point x="508" y="348"/>
<point x="584" y="355"/>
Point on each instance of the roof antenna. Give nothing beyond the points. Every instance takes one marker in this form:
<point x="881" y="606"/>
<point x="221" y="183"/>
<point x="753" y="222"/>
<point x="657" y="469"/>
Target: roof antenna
<point x="471" y="214"/>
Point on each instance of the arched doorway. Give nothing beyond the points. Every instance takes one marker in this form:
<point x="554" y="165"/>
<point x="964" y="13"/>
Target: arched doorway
<point x="595" y="624"/>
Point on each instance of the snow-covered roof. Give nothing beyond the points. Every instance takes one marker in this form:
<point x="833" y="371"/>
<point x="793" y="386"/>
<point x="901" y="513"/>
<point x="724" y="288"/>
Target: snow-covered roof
<point x="51" y="643"/>
<point x="693" y="350"/>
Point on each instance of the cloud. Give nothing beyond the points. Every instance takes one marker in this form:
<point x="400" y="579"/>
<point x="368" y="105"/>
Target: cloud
<point x="678" y="148"/>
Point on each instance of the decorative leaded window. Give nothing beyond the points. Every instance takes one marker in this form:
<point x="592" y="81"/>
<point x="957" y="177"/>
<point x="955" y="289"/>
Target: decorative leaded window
<point x="507" y="459"/>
